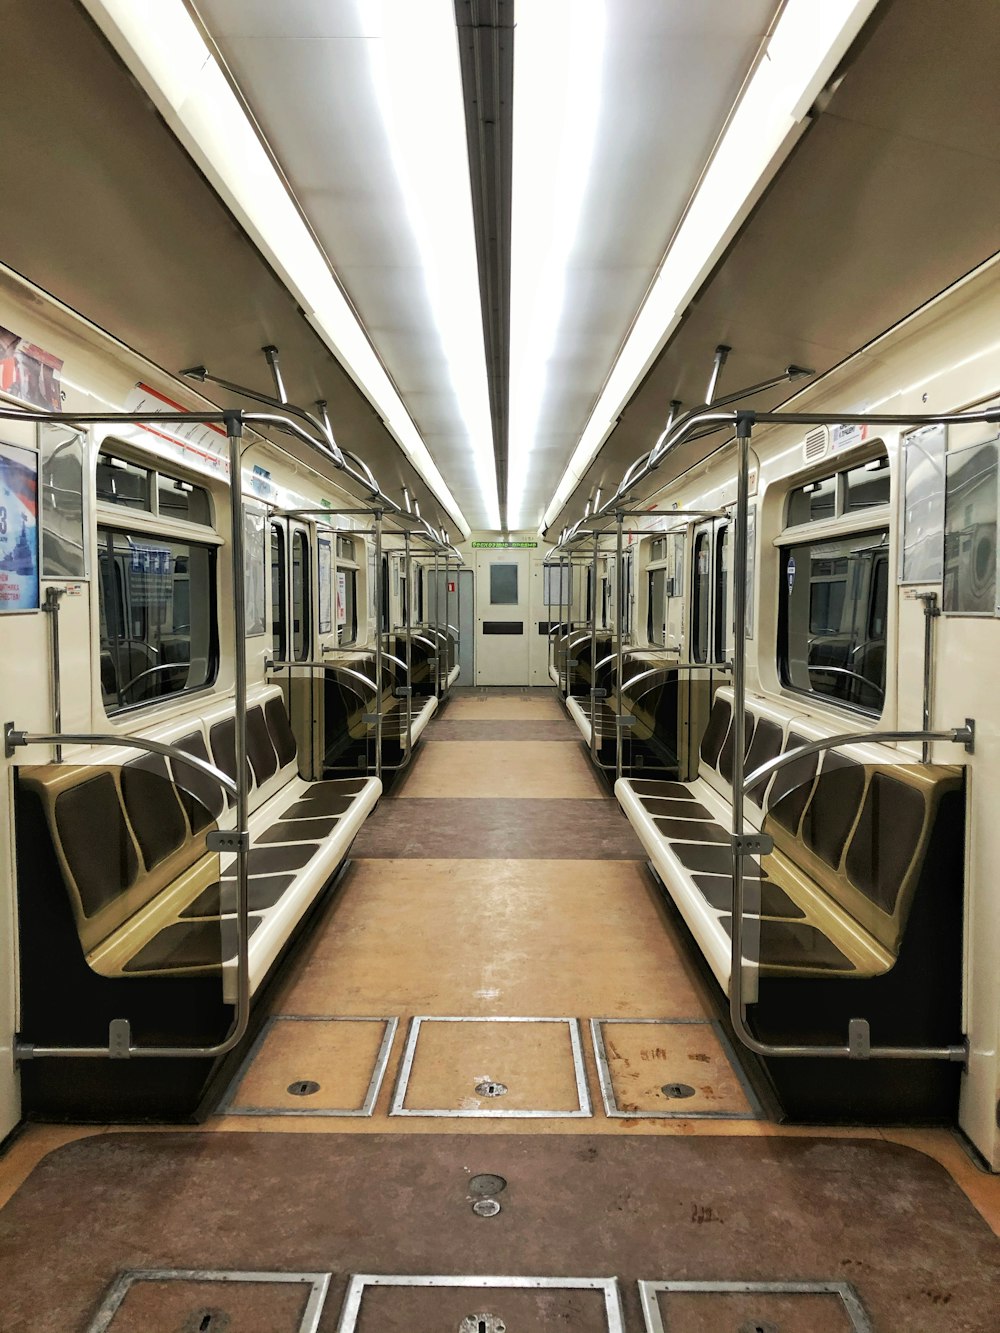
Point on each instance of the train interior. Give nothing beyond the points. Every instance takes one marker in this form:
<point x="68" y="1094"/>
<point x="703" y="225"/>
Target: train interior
<point x="499" y="819"/>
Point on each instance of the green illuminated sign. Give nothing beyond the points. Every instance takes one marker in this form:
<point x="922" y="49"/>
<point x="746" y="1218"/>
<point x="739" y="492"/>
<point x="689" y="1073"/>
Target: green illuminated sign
<point x="502" y="546"/>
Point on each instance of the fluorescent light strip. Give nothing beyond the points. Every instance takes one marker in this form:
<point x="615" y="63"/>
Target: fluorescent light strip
<point x="805" y="48"/>
<point x="557" y="92"/>
<point x="418" y="80"/>
<point x="161" y="44"/>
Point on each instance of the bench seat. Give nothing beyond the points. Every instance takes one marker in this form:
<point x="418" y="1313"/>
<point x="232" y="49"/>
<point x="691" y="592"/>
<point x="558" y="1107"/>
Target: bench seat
<point x="147" y="897"/>
<point x="850" y="832"/>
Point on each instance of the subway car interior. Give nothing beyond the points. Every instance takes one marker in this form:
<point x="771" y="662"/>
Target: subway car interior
<point x="501" y="719"/>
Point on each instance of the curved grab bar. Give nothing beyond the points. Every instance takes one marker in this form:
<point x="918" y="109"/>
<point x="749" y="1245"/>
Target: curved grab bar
<point x="13" y="739"/>
<point x="854" y="675"/>
<point x="956" y="735"/>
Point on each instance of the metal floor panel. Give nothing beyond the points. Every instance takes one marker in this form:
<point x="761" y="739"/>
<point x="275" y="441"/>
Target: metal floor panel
<point x="752" y="1307"/>
<point x="211" y="1301"/>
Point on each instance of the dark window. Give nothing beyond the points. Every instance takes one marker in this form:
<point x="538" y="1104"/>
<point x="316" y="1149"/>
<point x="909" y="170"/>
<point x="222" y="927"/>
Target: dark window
<point x="122" y="483"/>
<point x="158" y="619"/>
<point x="816" y="500"/>
<point x="701" y="596"/>
<point x="301" y="596"/>
<point x="347" y="606"/>
<point x="833" y="615"/>
<point x="182" y="500"/>
<point x="721" y="591"/>
<point x="279" y="610"/>
<point x="657" y="609"/>
<point x="385" y="594"/>
<point x="503" y="585"/>
<point x="867" y="486"/>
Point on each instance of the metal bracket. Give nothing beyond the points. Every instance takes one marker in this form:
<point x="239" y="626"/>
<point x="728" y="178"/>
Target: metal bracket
<point x="119" y="1039"/>
<point x="12" y="738"/>
<point x="598" y="694"/>
<point x="226" y="840"/>
<point x="626" y="720"/>
<point x="969" y="740"/>
<point x="859" y="1039"/>
<point x="573" y="662"/>
<point x="753" y="844"/>
<point x="403" y="691"/>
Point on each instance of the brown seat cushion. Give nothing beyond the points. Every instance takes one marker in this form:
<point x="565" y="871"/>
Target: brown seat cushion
<point x="831" y="813"/>
<point x="885" y="840"/>
<point x="219" y="899"/>
<point x="153" y="808"/>
<point x="96" y="841"/>
<point x="716" y="732"/>
<point x="187" y="944"/>
<point x="202" y="798"/>
<point x="793" y="944"/>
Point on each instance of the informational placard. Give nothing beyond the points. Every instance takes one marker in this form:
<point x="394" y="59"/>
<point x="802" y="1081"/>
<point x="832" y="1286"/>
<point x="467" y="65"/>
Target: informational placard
<point x="324" y="548"/>
<point x="341" y="597"/>
<point x="18" y="529"/>
<point x="253" y="570"/>
<point x="501" y="546"/>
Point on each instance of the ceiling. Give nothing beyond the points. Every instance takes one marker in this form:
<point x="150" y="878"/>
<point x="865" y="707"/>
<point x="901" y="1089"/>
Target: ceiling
<point x="891" y="195"/>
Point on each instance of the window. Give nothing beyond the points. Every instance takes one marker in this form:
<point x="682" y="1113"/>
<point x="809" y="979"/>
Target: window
<point x="324" y="578"/>
<point x="301" y="596"/>
<point x="503" y="585"/>
<point x="157" y="617"/>
<point x="279" y="610"/>
<point x="128" y="485"/>
<point x="347" y="606"/>
<point x="721" y="593"/>
<point x="656" y="627"/>
<point x="852" y="491"/>
<point x="701" y="593"/>
<point x="385" y="594"/>
<point x="122" y="483"/>
<point x="833" y="618"/>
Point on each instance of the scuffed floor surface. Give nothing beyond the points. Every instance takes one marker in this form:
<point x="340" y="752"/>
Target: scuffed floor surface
<point x="881" y="1217"/>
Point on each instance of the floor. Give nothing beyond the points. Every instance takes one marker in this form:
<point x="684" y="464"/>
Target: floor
<point x="497" y="988"/>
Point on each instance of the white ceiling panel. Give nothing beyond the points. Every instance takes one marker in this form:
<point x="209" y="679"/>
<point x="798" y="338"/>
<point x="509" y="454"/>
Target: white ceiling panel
<point x="671" y="71"/>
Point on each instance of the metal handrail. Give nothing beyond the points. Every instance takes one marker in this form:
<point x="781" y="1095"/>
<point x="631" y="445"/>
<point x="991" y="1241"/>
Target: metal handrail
<point x="853" y="1049"/>
<point x="233" y="422"/>
<point x="271" y="665"/>
<point x="14" y="739"/>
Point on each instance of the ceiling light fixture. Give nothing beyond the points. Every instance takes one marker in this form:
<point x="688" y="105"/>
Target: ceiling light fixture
<point x="418" y="80"/>
<point x="558" y="51"/>
<point x="807" y="44"/>
<point x="161" y="45"/>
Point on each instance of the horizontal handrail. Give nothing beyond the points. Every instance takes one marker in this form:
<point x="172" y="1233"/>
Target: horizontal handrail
<point x="859" y="1047"/>
<point x="957" y="735"/>
<point x="14" y="739"/>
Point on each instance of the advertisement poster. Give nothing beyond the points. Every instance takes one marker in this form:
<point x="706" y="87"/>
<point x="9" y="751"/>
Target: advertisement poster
<point x="29" y="373"/>
<point x="18" y="529"/>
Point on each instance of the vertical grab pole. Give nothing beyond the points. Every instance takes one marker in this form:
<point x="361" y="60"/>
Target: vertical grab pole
<point x="931" y="612"/>
<point x="620" y="625"/>
<point x="437" y="622"/>
<point x="593" y="650"/>
<point x="51" y="606"/>
<point x="563" y="671"/>
<point x="744" y="427"/>
<point x="378" y="642"/>
<point x="234" y="433"/>
<point x="408" y="570"/>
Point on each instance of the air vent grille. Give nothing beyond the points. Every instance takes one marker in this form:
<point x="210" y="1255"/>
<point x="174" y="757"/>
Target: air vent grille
<point x="817" y="444"/>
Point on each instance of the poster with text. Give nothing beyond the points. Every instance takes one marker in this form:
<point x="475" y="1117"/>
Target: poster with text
<point x="18" y="529"/>
<point x="29" y="372"/>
